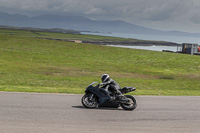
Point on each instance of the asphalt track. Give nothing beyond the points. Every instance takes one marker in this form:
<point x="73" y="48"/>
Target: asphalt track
<point x="62" y="113"/>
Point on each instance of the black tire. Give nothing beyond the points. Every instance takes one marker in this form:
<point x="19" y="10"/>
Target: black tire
<point x="131" y="105"/>
<point x="89" y="103"/>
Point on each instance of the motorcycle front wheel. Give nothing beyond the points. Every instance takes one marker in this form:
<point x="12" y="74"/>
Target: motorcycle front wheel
<point x="131" y="105"/>
<point x="89" y="101"/>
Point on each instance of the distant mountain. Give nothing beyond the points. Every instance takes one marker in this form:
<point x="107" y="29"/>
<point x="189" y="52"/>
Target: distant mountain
<point x="82" y="24"/>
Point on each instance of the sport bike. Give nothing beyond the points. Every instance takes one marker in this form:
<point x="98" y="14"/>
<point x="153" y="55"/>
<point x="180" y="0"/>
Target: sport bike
<point x="94" y="97"/>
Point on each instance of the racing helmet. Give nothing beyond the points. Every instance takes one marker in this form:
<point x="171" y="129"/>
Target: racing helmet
<point x="104" y="77"/>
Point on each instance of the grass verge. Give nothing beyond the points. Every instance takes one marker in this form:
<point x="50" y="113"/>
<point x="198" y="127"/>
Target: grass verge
<point x="36" y="65"/>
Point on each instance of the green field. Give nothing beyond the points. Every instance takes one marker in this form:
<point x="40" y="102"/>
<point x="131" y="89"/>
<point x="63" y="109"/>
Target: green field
<point x="29" y="64"/>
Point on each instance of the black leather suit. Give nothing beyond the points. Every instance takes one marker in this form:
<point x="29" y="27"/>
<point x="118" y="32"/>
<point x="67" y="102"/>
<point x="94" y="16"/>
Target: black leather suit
<point x="111" y="84"/>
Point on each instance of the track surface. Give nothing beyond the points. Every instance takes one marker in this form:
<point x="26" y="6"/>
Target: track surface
<point x="61" y="113"/>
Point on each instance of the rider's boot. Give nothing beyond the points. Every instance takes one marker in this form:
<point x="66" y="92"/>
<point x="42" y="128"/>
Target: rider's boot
<point x="121" y="97"/>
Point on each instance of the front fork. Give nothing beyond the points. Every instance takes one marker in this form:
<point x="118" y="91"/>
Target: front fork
<point x="91" y="97"/>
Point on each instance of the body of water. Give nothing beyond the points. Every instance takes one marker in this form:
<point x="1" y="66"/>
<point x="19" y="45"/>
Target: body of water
<point x="153" y="48"/>
<point x="176" y="39"/>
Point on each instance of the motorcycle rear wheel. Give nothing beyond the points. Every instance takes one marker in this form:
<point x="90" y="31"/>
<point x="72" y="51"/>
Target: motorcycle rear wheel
<point x="89" y="103"/>
<point x="131" y="105"/>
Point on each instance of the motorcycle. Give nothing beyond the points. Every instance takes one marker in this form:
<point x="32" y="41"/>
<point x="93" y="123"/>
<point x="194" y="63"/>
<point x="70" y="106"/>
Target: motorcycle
<point x="94" y="97"/>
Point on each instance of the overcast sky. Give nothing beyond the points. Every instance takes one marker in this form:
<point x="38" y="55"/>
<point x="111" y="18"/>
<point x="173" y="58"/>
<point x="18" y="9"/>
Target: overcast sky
<point x="183" y="15"/>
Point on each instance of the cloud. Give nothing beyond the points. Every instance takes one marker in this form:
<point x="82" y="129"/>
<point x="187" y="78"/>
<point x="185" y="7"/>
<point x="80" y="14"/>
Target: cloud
<point x="144" y="9"/>
<point x="134" y="11"/>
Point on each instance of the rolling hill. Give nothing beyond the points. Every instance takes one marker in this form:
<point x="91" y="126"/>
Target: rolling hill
<point x="81" y="23"/>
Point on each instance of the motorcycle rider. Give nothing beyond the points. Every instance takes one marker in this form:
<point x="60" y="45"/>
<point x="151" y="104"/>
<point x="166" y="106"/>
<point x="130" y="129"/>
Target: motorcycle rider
<point x="107" y="82"/>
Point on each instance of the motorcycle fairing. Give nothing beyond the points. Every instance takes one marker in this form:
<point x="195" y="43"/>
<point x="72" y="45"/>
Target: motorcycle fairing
<point x="95" y="90"/>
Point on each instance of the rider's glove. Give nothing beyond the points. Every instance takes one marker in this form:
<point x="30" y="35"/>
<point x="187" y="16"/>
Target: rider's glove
<point x="100" y="84"/>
